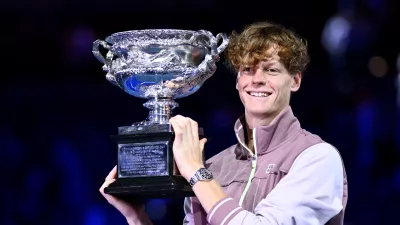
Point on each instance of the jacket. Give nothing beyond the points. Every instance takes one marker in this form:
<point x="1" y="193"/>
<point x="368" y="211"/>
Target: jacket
<point x="294" y="177"/>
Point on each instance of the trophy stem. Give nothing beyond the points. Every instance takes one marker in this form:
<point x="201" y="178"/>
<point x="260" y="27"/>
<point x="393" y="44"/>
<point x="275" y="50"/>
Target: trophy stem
<point x="160" y="109"/>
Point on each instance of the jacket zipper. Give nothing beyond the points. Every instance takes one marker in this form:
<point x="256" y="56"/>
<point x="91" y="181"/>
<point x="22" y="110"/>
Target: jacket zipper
<point x="253" y="166"/>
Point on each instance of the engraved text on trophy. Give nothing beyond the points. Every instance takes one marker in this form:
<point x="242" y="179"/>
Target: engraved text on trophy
<point x="143" y="159"/>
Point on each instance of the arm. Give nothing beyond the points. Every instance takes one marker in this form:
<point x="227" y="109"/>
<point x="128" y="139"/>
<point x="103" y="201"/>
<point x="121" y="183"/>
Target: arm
<point x="311" y="193"/>
<point x="194" y="212"/>
<point x="187" y="207"/>
<point x="134" y="214"/>
<point x="187" y="149"/>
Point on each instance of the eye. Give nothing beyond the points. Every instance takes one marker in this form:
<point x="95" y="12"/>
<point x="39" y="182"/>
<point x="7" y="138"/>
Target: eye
<point x="247" y="69"/>
<point x="271" y="70"/>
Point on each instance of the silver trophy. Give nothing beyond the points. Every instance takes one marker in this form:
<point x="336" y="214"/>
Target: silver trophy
<point x="159" y="65"/>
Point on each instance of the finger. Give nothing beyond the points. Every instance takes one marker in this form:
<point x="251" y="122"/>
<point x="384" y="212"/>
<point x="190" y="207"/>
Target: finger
<point x="105" y="184"/>
<point x="111" y="199"/>
<point x="180" y="120"/>
<point x="177" y="120"/>
<point x="188" y="129"/>
<point x="195" y="131"/>
<point x="112" y="173"/>
<point x="178" y="117"/>
<point x="177" y="129"/>
<point x="202" y="143"/>
<point x="184" y="127"/>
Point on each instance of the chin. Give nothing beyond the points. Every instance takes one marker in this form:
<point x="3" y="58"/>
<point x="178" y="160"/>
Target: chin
<point x="260" y="112"/>
<point x="260" y="108"/>
<point x="263" y="112"/>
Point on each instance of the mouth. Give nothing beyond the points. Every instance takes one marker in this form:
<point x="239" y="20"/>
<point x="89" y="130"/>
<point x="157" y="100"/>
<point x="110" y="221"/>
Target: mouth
<point x="258" y="94"/>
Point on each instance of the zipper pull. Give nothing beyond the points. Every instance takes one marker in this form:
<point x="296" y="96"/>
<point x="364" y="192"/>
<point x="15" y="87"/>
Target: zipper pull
<point x="254" y="161"/>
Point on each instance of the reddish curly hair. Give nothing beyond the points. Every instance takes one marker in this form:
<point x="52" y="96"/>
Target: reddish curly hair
<point x="251" y="46"/>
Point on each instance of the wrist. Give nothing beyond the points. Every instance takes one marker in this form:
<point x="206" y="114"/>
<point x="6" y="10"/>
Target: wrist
<point x="140" y="218"/>
<point x="190" y="171"/>
<point x="202" y="174"/>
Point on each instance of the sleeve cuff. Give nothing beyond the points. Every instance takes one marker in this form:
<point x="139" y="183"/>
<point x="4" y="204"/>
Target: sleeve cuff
<point x="223" y="211"/>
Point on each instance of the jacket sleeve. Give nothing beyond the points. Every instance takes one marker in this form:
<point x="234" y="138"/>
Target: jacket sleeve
<point x="311" y="193"/>
<point x="194" y="212"/>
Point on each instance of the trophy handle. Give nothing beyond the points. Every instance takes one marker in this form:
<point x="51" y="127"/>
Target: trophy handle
<point x="224" y="43"/>
<point x="98" y="55"/>
<point x="215" y="49"/>
<point x="105" y="60"/>
<point x="208" y="64"/>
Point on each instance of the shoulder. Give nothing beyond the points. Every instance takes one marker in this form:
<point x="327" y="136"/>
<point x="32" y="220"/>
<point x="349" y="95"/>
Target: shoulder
<point x="313" y="189"/>
<point x="322" y="150"/>
<point x="300" y="143"/>
<point x="309" y="137"/>
<point x="322" y="155"/>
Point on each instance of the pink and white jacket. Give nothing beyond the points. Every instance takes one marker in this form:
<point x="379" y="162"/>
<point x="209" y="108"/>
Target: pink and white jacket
<point x="293" y="178"/>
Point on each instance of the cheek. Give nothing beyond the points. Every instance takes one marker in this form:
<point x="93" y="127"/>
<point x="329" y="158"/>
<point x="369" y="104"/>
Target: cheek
<point x="240" y="84"/>
<point x="285" y="90"/>
<point x="240" y="90"/>
<point x="275" y="85"/>
<point x="280" y="87"/>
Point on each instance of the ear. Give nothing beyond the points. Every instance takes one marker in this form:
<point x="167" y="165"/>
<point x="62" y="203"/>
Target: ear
<point x="296" y="81"/>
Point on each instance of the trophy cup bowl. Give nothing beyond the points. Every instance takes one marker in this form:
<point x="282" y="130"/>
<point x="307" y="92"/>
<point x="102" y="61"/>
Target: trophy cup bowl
<point x="159" y="65"/>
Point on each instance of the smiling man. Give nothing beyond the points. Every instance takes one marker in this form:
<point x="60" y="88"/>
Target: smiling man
<point x="277" y="173"/>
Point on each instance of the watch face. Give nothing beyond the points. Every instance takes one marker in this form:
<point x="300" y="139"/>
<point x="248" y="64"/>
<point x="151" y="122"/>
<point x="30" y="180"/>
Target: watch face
<point x="202" y="174"/>
<point x="205" y="174"/>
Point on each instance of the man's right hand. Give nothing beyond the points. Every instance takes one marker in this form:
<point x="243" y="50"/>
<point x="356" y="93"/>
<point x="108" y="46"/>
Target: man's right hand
<point x="135" y="215"/>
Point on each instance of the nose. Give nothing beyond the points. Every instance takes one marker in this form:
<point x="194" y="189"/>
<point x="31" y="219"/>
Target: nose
<point x="259" y="77"/>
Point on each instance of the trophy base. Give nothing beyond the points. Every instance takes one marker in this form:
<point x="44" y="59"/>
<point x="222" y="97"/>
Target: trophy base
<point x="161" y="188"/>
<point x="146" y="167"/>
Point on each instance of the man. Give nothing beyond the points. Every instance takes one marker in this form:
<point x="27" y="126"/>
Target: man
<point x="277" y="173"/>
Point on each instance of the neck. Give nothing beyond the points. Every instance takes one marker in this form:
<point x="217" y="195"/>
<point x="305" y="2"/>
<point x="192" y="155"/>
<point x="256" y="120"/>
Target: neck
<point x="255" y="121"/>
<point x="251" y="123"/>
<point x="249" y="134"/>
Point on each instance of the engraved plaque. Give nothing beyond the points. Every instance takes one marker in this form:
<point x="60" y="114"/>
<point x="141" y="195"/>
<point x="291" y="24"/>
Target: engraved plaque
<point x="147" y="159"/>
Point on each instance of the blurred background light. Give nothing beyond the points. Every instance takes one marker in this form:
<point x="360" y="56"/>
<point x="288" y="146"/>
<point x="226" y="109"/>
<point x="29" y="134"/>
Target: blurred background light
<point x="378" y="66"/>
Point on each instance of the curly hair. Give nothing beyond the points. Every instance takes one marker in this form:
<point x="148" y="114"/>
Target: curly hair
<point x="251" y="46"/>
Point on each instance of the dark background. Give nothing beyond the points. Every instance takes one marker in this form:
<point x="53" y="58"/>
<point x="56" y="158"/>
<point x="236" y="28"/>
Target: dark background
<point x="58" y="110"/>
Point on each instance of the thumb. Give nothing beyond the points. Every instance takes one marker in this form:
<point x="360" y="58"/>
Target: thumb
<point x="202" y="143"/>
<point x="112" y="173"/>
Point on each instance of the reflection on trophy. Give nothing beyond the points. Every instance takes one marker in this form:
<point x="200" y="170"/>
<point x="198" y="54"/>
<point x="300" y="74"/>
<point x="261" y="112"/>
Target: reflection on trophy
<point x="160" y="66"/>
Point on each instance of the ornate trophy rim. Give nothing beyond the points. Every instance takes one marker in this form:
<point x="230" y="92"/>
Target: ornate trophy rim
<point x="160" y="37"/>
<point x="144" y="31"/>
<point x="136" y="64"/>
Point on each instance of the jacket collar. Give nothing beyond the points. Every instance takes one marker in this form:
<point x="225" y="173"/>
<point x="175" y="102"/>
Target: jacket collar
<point x="267" y="138"/>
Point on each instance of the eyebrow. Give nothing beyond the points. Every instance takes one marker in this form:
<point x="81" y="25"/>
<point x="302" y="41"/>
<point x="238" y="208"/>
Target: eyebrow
<point x="269" y="63"/>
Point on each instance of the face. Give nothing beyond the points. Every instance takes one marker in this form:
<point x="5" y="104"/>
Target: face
<point x="265" y="89"/>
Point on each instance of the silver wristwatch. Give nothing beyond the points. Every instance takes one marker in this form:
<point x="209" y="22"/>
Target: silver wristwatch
<point x="201" y="174"/>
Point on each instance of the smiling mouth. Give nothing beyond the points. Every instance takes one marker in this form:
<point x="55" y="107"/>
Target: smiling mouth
<point x="259" y="94"/>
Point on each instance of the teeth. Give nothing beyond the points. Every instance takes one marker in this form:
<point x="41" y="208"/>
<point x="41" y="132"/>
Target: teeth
<point x="259" y="94"/>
